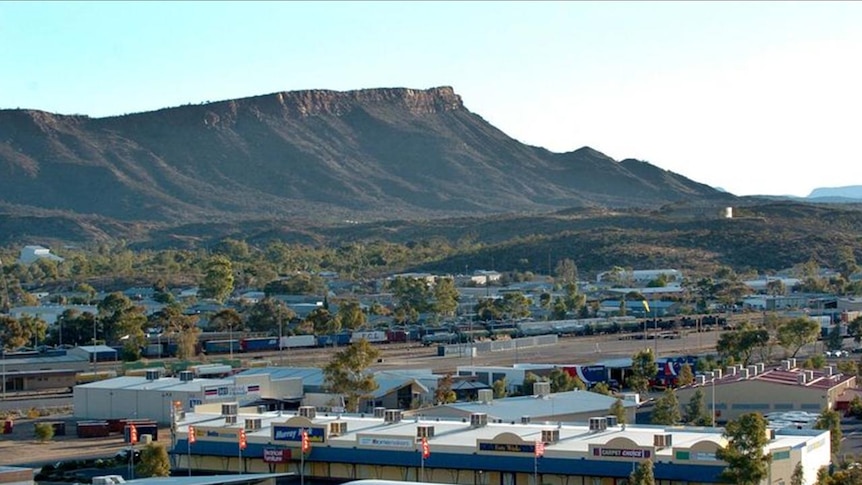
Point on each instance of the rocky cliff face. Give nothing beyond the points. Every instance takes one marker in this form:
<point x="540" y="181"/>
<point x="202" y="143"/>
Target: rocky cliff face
<point x="366" y="154"/>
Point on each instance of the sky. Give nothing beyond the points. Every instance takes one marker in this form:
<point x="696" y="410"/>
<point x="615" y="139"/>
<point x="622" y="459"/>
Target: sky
<point x="750" y="97"/>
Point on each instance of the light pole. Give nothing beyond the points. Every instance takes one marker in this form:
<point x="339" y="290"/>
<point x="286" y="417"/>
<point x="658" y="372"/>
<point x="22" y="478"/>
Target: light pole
<point x="712" y="375"/>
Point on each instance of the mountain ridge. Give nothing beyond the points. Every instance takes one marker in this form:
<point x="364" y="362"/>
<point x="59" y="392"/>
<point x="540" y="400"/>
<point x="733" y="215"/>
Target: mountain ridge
<point x="371" y="154"/>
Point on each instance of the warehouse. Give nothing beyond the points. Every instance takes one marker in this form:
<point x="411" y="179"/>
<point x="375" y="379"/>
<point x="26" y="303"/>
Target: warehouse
<point x="473" y="451"/>
<point x="152" y="397"/>
<point x="739" y="390"/>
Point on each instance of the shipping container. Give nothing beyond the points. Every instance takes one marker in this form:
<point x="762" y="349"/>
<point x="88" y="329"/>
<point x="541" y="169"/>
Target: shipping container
<point x="221" y="346"/>
<point x="259" y="344"/>
<point x="92" y="429"/>
<point x="298" y="341"/>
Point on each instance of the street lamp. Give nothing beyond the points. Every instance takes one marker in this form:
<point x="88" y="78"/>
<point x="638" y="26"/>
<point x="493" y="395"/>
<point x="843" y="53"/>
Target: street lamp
<point x="712" y="376"/>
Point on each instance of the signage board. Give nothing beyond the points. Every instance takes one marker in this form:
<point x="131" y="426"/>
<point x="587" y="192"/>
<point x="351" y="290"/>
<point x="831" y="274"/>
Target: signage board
<point x="507" y="448"/>
<point x="294" y="433"/>
<point x="385" y="442"/>
<point x="276" y="455"/>
<point x="634" y="453"/>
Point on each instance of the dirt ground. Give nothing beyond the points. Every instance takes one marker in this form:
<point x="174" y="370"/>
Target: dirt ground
<point x="21" y="447"/>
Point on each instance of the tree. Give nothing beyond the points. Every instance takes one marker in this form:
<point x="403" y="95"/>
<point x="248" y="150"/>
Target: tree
<point x="413" y="295"/>
<point x="154" y="461"/>
<point x="218" y="279"/>
<point x="44" y="432"/>
<point x="666" y="409"/>
<point x="444" y="393"/>
<point x="798" y="477"/>
<point x="347" y="373"/>
<point x="747" y="464"/>
<point x="566" y="271"/>
<point x="740" y="344"/>
<point x="323" y="322"/>
<point x="643" y="474"/>
<point x="268" y="315"/>
<point x="831" y="420"/>
<point x="499" y="387"/>
<point x="12" y="333"/>
<point x="298" y="284"/>
<point x="601" y="388"/>
<point x="226" y="320"/>
<point x="183" y="328"/>
<point x="644" y="369"/>
<point x="446" y="297"/>
<point x="527" y="386"/>
<point x="562" y="381"/>
<point x="695" y="411"/>
<point x="350" y="315"/>
<point x="855" y="329"/>
<point x="835" y="341"/>
<point x="686" y="376"/>
<point x="619" y="410"/>
<point x="796" y="333"/>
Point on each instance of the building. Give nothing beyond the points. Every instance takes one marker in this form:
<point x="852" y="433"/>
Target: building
<point x="31" y="254"/>
<point x="13" y="475"/>
<point x="639" y="276"/>
<point x="152" y="397"/>
<point x="474" y="451"/>
<point x="739" y="390"/>
<point x="543" y="406"/>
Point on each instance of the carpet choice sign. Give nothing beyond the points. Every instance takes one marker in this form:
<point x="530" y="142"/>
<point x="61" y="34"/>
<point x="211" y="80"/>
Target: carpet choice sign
<point x="628" y="453"/>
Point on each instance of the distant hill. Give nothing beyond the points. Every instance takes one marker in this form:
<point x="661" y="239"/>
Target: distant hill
<point x="849" y="193"/>
<point x="364" y="155"/>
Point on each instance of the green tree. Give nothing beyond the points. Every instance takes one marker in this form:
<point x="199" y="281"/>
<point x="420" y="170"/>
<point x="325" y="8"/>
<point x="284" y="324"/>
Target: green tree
<point x="686" y="376"/>
<point x="226" y="320"/>
<point x="644" y="369"/>
<point x="831" y="420"/>
<point x="180" y="327"/>
<point x="500" y="388"/>
<point x="696" y="412"/>
<point x="411" y="294"/>
<point x="666" y="409"/>
<point x="798" y="477"/>
<point x="269" y="315"/>
<point x="643" y="474"/>
<point x="796" y="333"/>
<point x="742" y="343"/>
<point x="44" y="432"/>
<point x="347" y="373"/>
<point x="562" y="381"/>
<point x="618" y="409"/>
<point x="835" y="341"/>
<point x="154" y="461"/>
<point x="446" y="297"/>
<point x="444" y="393"/>
<point x="566" y="271"/>
<point x="601" y="388"/>
<point x="529" y="380"/>
<point x="298" y="284"/>
<point x="218" y="279"/>
<point x="323" y="322"/>
<point x="855" y="329"/>
<point x="350" y="315"/>
<point x="13" y="333"/>
<point x="747" y="464"/>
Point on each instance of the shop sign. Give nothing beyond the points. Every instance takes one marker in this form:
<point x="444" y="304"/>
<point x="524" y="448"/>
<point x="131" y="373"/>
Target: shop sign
<point x="382" y="442"/>
<point x="507" y="448"/>
<point x="294" y="433"/>
<point x="276" y="455"/>
<point x="636" y="453"/>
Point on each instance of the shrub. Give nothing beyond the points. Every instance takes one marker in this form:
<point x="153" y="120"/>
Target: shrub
<point x="44" y="431"/>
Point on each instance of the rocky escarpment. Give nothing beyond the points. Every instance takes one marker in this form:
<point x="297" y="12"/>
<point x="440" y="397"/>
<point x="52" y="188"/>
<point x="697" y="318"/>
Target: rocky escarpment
<point x="327" y="155"/>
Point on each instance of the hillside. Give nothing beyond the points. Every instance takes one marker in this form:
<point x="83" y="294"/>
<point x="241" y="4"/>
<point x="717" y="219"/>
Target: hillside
<point x="328" y="156"/>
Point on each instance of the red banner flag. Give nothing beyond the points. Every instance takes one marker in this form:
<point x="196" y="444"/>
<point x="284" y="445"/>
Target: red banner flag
<point x="426" y="450"/>
<point x="306" y="444"/>
<point x="540" y="448"/>
<point x="133" y="434"/>
<point x="192" y="437"/>
<point x="242" y="441"/>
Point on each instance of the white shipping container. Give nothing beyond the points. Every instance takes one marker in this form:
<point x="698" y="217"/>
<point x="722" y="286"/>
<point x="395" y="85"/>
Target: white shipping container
<point x="295" y="341"/>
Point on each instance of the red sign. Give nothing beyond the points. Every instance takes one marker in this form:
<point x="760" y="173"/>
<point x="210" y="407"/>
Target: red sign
<point x="276" y="455"/>
<point x="540" y="448"/>
<point x="192" y="437"/>
<point x="242" y="441"/>
<point x="306" y="444"/>
<point x="426" y="450"/>
<point x="133" y="434"/>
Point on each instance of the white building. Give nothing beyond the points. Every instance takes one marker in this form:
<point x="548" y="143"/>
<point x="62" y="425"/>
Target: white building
<point x="31" y="254"/>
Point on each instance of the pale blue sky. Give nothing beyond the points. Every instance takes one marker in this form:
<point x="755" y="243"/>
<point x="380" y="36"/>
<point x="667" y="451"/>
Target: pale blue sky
<point x="754" y="97"/>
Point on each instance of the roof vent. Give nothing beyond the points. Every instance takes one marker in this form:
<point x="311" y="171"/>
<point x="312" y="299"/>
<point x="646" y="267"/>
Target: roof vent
<point x="663" y="440"/>
<point x="743" y="373"/>
<point x="230" y="419"/>
<point x="701" y="379"/>
<point x="229" y="409"/>
<point x="338" y="428"/>
<point x="309" y="412"/>
<point x="752" y="370"/>
<point x="486" y="396"/>
<point x="612" y="420"/>
<point x="830" y="370"/>
<point x="801" y="378"/>
<point x="785" y="365"/>
<point x="770" y="434"/>
<point x="760" y="367"/>
<point x="187" y="376"/>
<point x="525" y="420"/>
<point x="252" y="424"/>
<point x="792" y="363"/>
<point x="392" y="416"/>
<point x="716" y="374"/>
<point x="379" y="412"/>
<point x="550" y="435"/>
<point x="152" y="374"/>
<point x="542" y="388"/>
<point x="425" y="431"/>
<point x="598" y="424"/>
<point x="477" y="420"/>
<point x="809" y="375"/>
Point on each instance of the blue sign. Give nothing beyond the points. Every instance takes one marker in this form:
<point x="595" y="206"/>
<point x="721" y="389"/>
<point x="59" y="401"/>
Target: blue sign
<point x="294" y="433"/>
<point x="499" y="447"/>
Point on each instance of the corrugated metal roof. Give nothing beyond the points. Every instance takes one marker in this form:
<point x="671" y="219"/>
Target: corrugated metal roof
<point x="512" y="408"/>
